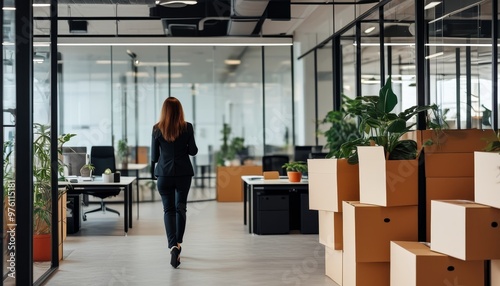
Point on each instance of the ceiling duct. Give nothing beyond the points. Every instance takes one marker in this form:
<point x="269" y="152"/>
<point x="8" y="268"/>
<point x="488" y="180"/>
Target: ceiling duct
<point x="245" y="15"/>
<point x="220" y="18"/>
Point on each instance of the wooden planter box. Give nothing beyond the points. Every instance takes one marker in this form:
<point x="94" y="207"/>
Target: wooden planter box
<point x="455" y="141"/>
<point x="449" y="165"/>
<point x="332" y="181"/>
<point x="386" y="182"/>
<point x="229" y="184"/>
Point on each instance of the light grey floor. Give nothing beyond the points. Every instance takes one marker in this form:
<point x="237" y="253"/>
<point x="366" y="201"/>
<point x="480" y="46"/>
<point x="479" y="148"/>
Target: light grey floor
<point x="217" y="250"/>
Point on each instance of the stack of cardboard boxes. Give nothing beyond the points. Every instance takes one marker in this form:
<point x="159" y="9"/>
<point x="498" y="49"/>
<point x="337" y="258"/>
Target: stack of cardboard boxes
<point x="331" y="182"/>
<point x="373" y="240"/>
<point x="387" y="211"/>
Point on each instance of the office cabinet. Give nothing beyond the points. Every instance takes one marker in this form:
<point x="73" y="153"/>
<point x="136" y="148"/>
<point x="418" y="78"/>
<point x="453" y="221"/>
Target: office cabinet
<point x="272" y="214"/>
<point x="309" y="221"/>
<point x="74" y="213"/>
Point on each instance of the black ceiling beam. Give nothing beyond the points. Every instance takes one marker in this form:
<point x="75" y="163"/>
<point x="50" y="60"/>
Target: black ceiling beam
<point x="359" y="2"/>
<point x="110" y="18"/>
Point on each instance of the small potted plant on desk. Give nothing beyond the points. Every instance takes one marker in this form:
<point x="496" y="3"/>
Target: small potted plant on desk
<point x="107" y="176"/>
<point x="294" y="170"/>
<point x="86" y="170"/>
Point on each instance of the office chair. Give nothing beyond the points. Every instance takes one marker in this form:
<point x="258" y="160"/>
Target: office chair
<point x="103" y="157"/>
<point x="318" y="155"/>
<point x="274" y="163"/>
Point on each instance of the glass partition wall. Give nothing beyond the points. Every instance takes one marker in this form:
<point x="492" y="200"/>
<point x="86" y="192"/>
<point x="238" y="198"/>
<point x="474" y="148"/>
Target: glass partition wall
<point x="458" y="58"/>
<point x="248" y="88"/>
<point x="460" y="63"/>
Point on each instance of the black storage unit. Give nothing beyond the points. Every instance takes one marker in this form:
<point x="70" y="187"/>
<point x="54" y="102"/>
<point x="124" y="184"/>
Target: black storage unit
<point x="309" y="222"/>
<point x="272" y="213"/>
<point x="73" y="213"/>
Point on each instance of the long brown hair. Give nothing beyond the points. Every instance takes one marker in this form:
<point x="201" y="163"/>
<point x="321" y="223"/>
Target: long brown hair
<point x="171" y="123"/>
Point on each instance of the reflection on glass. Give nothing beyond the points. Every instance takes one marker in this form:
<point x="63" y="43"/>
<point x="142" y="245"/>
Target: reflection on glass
<point x="459" y="56"/>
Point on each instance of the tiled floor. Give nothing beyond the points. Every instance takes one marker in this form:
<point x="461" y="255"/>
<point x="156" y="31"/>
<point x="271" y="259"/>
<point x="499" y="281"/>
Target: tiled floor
<point x="217" y="250"/>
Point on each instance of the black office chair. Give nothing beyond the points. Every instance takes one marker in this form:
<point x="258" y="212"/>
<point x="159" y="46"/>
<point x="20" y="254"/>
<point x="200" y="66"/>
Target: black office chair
<point x="274" y="163"/>
<point x="103" y="157"/>
<point x="319" y="155"/>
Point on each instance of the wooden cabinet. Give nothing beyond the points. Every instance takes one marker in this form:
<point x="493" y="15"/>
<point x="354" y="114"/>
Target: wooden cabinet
<point x="229" y="184"/>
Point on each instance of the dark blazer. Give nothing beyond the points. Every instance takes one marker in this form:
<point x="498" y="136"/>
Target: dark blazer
<point x="173" y="157"/>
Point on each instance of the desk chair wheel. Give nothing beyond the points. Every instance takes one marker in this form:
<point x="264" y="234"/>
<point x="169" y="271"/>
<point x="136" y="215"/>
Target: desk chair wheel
<point x="84" y="217"/>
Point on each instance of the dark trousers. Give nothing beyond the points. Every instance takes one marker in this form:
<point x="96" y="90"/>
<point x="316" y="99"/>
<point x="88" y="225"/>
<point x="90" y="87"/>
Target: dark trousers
<point x="174" y="192"/>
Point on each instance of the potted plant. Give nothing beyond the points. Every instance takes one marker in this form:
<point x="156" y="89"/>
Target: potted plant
<point x="342" y="129"/>
<point x="382" y="180"/>
<point x="334" y="180"/>
<point x="107" y="176"/>
<point x="230" y="146"/>
<point x="294" y="170"/>
<point x="122" y="152"/>
<point x="86" y="170"/>
<point x="42" y="189"/>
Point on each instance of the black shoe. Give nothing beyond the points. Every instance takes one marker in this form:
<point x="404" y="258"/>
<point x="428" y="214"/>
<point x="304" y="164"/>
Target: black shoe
<point x="174" y="257"/>
<point x="180" y="249"/>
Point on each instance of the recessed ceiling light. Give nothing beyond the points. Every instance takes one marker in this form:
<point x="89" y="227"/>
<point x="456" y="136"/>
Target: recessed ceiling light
<point x="369" y="30"/>
<point x="434" y="55"/>
<point x="432" y="5"/>
<point x="232" y="62"/>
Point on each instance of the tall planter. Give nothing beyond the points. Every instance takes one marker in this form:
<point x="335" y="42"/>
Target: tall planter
<point x="449" y="165"/>
<point x="42" y="247"/>
<point x="332" y="181"/>
<point x="386" y="183"/>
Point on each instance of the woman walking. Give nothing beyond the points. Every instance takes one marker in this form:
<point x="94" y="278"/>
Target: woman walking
<point x="172" y="143"/>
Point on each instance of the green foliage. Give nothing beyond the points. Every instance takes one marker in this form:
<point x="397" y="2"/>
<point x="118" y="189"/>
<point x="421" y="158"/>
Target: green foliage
<point x="493" y="142"/>
<point x="297" y="166"/>
<point x="122" y="149"/>
<point x="230" y="146"/>
<point x="380" y="125"/>
<point x="342" y="129"/>
<point x="42" y="192"/>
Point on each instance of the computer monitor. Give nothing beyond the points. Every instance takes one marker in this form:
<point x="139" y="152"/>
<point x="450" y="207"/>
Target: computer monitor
<point x="74" y="158"/>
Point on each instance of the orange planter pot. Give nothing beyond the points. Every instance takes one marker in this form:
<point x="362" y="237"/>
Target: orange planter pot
<point x="42" y="247"/>
<point x="294" y="177"/>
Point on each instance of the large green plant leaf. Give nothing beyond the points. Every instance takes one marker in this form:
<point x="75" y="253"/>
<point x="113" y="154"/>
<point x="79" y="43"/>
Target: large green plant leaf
<point x="387" y="99"/>
<point x="398" y="125"/>
<point x="404" y="150"/>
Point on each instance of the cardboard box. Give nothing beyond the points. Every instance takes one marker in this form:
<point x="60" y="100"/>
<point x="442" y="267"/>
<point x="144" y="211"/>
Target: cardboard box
<point x="495" y="272"/>
<point x="368" y="230"/>
<point x="465" y="230"/>
<point x="446" y="189"/>
<point x="330" y="229"/>
<point x="465" y="140"/>
<point x="438" y="165"/>
<point x="414" y="264"/>
<point x="365" y="273"/>
<point x="332" y="181"/>
<point x="333" y="264"/>
<point x="487" y="178"/>
<point x="386" y="182"/>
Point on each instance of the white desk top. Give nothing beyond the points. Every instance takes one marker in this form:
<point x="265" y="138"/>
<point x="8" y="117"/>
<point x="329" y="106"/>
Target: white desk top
<point x="131" y="167"/>
<point x="259" y="180"/>
<point x="124" y="180"/>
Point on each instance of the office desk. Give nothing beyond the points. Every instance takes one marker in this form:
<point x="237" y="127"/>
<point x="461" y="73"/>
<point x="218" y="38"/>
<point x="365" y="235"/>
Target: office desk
<point x="252" y="184"/>
<point x="125" y="184"/>
<point x="132" y="167"/>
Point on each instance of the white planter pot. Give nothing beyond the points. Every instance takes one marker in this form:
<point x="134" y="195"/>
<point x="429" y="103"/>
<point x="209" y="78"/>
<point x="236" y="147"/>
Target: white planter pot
<point x="108" y="178"/>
